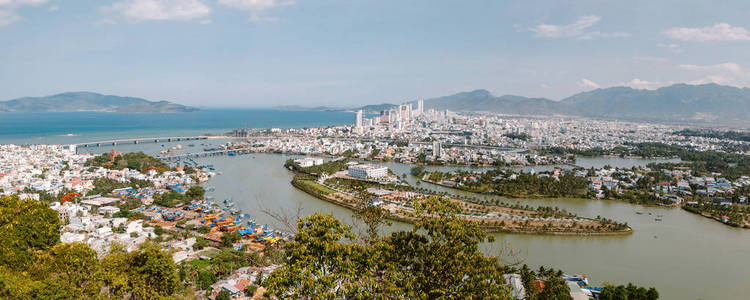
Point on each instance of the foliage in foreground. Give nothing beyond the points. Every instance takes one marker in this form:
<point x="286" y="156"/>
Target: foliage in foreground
<point x="440" y="257"/>
<point x="35" y="265"/>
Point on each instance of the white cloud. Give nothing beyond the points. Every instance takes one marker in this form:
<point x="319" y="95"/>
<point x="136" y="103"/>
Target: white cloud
<point x="668" y="46"/>
<point x="644" y="84"/>
<point x="545" y="86"/>
<point x="725" y="73"/>
<point x="596" y="34"/>
<point x="8" y="9"/>
<point x="573" y="29"/>
<point x="256" y="7"/>
<point x="182" y="10"/>
<point x="718" y="79"/>
<point x="730" y="68"/>
<point x="262" y="19"/>
<point x="652" y="59"/>
<point x="53" y="8"/>
<point x="588" y="84"/>
<point x="717" y="32"/>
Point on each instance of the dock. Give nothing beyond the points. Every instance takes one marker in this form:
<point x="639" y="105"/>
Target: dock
<point x="205" y="154"/>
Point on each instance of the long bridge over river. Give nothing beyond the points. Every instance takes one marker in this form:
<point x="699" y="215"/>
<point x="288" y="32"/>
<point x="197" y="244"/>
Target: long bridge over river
<point x="140" y="140"/>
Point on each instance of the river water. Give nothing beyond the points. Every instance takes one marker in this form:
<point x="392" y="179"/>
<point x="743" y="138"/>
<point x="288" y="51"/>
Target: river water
<point x="685" y="256"/>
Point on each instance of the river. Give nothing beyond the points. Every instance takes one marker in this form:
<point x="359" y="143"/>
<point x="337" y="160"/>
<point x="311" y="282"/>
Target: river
<point x="685" y="256"/>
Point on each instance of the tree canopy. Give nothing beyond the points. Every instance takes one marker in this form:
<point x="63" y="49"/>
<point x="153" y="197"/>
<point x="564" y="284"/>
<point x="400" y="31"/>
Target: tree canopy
<point x="440" y="257"/>
<point x="35" y="265"/>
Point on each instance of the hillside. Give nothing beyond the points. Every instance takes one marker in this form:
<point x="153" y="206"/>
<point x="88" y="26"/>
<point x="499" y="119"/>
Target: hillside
<point x="87" y="101"/>
<point x="675" y="103"/>
<point x="679" y="102"/>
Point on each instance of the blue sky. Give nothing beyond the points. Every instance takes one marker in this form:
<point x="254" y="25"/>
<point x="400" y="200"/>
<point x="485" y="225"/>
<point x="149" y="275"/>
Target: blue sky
<point x="255" y="53"/>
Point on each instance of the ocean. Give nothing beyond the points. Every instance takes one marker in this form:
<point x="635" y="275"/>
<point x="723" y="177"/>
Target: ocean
<point x="76" y="127"/>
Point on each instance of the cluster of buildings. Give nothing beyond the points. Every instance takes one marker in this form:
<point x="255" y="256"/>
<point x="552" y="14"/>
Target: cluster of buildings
<point x="54" y="168"/>
<point x="239" y="282"/>
<point x="409" y="134"/>
<point x="91" y="222"/>
<point x="41" y="167"/>
<point x="680" y="183"/>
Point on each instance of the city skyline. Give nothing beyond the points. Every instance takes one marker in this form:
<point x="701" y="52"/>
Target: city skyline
<point x="233" y="53"/>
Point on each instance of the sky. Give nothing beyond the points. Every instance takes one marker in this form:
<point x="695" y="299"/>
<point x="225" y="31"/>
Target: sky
<point x="261" y="53"/>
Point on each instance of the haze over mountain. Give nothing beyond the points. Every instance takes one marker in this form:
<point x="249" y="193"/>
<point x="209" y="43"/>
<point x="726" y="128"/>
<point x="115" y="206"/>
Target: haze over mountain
<point x="87" y="101"/>
<point x="675" y="103"/>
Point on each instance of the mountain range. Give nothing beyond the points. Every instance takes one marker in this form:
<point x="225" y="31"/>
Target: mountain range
<point x="87" y="101"/>
<point x="706" y="103"/>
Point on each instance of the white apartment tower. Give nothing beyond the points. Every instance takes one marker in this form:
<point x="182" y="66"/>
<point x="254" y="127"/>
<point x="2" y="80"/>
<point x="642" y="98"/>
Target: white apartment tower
<point x="420" y="107"/>
<point x="437" y="149"/>
<point x="405" y="112"/>
<point x="358" y="122"/>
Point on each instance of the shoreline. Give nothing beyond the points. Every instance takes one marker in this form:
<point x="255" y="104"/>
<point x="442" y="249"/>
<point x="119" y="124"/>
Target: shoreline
<point x="395" y="216"/>
<point x="541" y="196"/>
<point x="708" y="216"/>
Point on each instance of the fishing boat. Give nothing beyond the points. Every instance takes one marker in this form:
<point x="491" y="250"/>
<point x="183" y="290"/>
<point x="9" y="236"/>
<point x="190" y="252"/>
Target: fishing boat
<point x="592" y="292"/>
<point x="580" y="279"/>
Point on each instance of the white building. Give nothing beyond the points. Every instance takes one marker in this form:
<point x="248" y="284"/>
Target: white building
<point x="367" y="171"/>
<point x="437" y="149"/>
<point x="309" y="162"/>
<point x="358" y="119"/>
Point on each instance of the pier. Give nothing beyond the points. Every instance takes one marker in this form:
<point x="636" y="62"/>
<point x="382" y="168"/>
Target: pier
<point x="205" y="154"/>
<point x="139" y="141"/>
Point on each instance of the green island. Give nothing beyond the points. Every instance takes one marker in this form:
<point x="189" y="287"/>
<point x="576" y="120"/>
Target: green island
<point x="400" y="199"/>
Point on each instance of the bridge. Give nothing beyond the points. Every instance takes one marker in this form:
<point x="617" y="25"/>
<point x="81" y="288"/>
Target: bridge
<point x="140" y="140"/>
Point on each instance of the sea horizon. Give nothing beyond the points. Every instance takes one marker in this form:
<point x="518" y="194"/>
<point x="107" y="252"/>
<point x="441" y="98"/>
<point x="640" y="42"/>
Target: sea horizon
<point x="75" y="127"/>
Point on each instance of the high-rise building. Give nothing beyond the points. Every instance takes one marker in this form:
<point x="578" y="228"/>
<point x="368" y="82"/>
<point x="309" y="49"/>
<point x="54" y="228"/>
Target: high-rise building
<point x="437" y="149"/>
<point x="358" y="119"/>
<point x="420" y="107"/>
<point x="404" y="111"/>
<point x="385" y="116"/>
